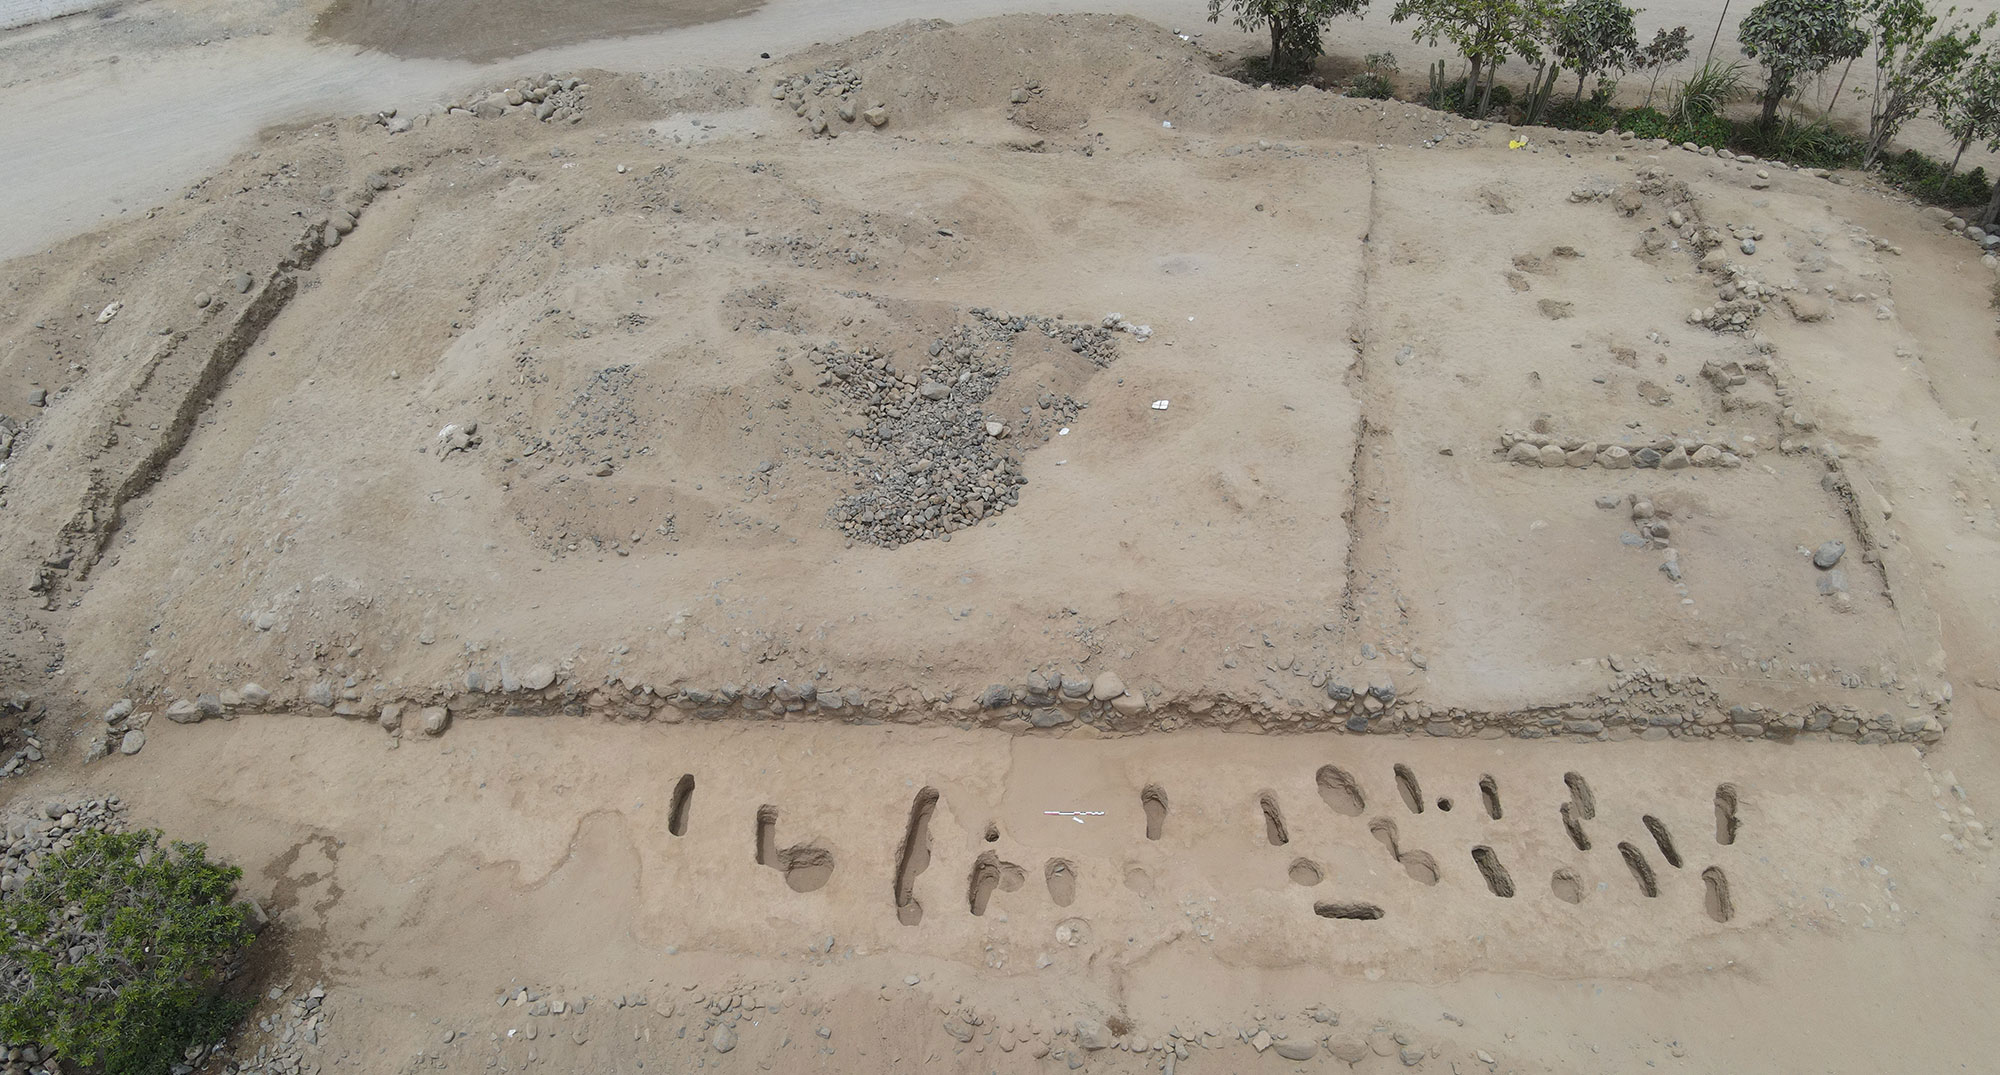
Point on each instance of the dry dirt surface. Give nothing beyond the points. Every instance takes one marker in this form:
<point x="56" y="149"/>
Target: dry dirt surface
<point x="994" y="547"/>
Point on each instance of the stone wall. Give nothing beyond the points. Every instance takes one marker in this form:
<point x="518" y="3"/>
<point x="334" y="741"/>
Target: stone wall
<point x="1636" y="703"/>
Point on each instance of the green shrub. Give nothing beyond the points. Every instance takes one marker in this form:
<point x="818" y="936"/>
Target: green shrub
<point x="111" y="954"/>
<point x="1375" y="81"/>
<point x="1448" y="97"/>
<point x="1645" y="122"/>
<point x="1708" y="131"/>
<point x="1812" y="144"/>
<point x="1922" y="177"/>
<point x="1372" y="86"/>
<point x="1588" y="115"/>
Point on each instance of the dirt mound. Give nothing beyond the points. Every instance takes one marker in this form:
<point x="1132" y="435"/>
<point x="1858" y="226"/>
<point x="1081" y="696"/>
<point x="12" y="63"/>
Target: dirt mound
<point x="1059" y="82"/>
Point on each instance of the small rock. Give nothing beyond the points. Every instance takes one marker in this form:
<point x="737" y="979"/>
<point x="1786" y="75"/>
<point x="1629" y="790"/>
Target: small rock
<point x="253" y="694"/>
<point x="1832" y="583"/>
<point x="1748" y="246"/>
<point x="876" y="116"/>
<point x="242" y="283"/>
<point x="38" y="397"/>
<point x="1261" y="1041"/>
<point x="434" y="718"/>
<point x="1296" y="1050"/>
<point x="184" y="712"/>
<point x="1093" y="1035"/>
<point x="724" y="1040"/>
<point x="1106" y="686"/>
<point x="538" y="676"/>
<point x="1829" y="554"/>
<point x="134" y="741"/>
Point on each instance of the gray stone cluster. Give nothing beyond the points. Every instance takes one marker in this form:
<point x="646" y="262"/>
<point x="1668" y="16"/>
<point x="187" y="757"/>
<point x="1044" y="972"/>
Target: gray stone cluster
<point x="30" y="749"/>
<point x="933" y="457"/>
<point x="295" y="1029"/>
<point x="1988" y="241"/>
<point x="549" y="98"/>
<point x="810" y="95"/>
<point x="1663" y="452"/>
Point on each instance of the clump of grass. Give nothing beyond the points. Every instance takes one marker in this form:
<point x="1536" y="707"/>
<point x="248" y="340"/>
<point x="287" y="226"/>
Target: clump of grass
<point x="1707" y="92"/>
<point x="1378" y="81"/>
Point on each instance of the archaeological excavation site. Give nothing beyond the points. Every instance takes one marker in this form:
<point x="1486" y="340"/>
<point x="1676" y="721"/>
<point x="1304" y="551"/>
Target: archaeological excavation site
<point x="1002" y="546"/>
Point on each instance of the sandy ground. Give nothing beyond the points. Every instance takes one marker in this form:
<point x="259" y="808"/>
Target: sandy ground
<point x="656" y="316"/>
<point x="509" y="857"/>
<point x="137" y="101"/>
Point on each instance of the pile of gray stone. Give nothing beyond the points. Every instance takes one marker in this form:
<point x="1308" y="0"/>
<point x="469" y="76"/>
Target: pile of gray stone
<point x="295" y="1030"/>
<point x="933" y="456"/>
<point x="548" y="98"/>
<point x="29" y="713"/>
<point x="837" y="88"/>
<point x="1665" y="452"/>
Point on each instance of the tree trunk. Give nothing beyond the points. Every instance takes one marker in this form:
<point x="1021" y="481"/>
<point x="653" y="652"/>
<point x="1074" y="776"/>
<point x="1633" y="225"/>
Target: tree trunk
<point x="1963" y="144"/>
<point x="1277" y="49"/>
<point x="1883" y="126"/>
<point x="1772" y="95"/>
<point x="1650" y="86"/>
<point x="1837" y="88"/>
<point x="1580" y="76"/>
<point x="1471" y="86"/>
<point x="1486" y="94"/>
<point x="1992" y="214"/>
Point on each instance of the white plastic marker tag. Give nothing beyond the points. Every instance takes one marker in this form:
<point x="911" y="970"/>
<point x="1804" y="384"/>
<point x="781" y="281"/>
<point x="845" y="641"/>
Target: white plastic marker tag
<point x="1075" y="815"/>
<point x="1159" y="404"/>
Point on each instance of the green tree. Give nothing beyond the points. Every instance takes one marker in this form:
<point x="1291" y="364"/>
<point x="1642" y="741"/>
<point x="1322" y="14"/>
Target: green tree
<point x="1796" y="39"/>
<point x="111" y="953"/>
<point x="1595" y="36"/>
<point x="1486" y="32"/>
<point x="1296" y="26"/>
<point x="1968" y="104"/>
<point x="1914" y="59"/>
<point x="1968" y="107"/>
<point x="1667" y="48"/>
